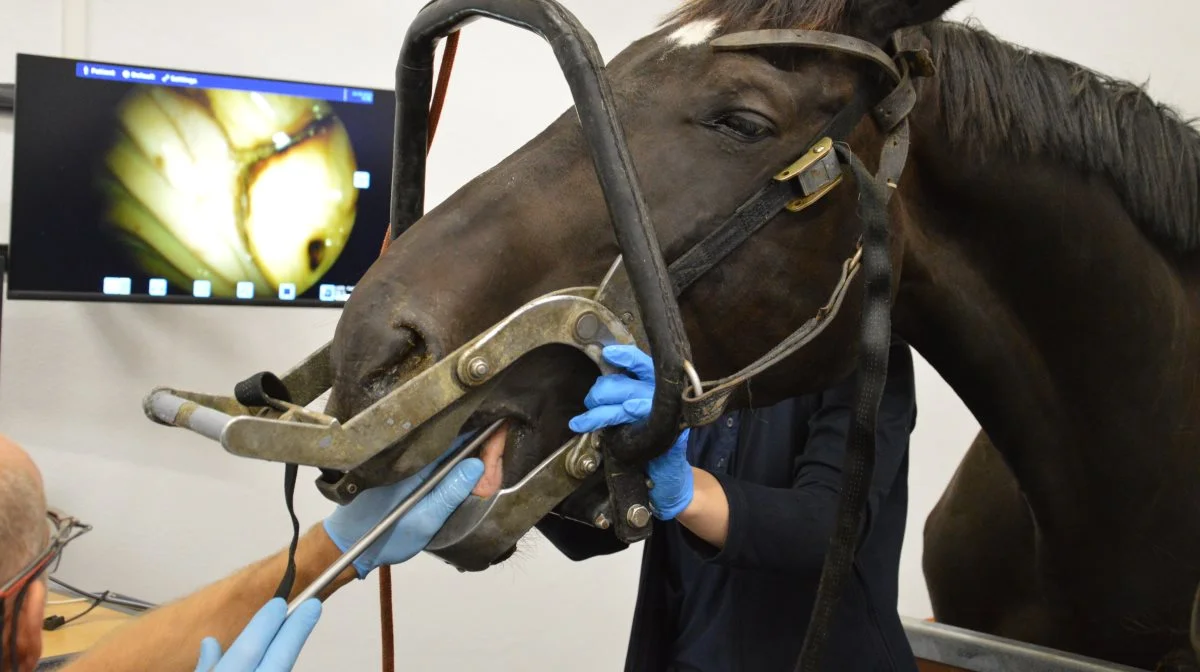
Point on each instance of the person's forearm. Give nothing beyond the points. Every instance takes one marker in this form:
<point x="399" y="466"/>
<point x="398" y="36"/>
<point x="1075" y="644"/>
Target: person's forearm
<point x="707" y="516"/>
<point x="168" y="638"/>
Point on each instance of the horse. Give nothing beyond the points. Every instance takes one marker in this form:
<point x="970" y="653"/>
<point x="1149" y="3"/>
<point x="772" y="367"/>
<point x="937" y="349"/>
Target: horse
<point x="1044" y="241"/>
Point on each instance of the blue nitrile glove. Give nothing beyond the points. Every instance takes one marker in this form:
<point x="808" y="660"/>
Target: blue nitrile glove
<point x="414" y="531"/>
<point x="268" y="644"/>
<point x="617" y="399"/>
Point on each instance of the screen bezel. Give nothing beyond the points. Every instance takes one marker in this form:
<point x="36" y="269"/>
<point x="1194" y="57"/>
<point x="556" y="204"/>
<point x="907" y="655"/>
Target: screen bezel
<point x="98" y="296"/>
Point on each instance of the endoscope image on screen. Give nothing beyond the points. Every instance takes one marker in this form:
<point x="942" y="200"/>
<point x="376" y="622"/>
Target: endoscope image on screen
<point x="229" y="186"/>
<point x="135" y="183"/>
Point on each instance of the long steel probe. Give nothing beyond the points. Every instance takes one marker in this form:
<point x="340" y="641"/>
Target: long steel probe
<point x="327" y="577"/>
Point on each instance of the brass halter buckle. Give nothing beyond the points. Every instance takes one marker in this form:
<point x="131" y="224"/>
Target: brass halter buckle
<point x="817" y="172"/>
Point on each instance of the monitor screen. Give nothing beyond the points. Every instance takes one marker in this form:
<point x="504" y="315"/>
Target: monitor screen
<point x="135" y="183"/>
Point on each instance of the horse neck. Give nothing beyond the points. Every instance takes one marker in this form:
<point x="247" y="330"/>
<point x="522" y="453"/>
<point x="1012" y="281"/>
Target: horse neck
<point x="1070" y="337"/>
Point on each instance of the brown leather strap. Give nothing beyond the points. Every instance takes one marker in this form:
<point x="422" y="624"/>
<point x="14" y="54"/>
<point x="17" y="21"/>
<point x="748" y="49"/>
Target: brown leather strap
<point x="386" y="627"/>
<point x="706" y="407"/>
<point x="703" y="407"/>
<point x="895" y="107"/>
<point x="387" y="630"/>
<point x="844" y="44"/>
<point x="443" y="84"/>
<point x="894" y="156"/>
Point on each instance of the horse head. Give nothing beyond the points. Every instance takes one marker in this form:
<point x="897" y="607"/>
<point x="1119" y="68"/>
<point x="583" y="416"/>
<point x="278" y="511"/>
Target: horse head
<point x="706" y="130"/>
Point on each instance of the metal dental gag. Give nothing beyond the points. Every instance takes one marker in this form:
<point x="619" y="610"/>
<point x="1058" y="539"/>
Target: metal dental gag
<point x="269" y="417"/>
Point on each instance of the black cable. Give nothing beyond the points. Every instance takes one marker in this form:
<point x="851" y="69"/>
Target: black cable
<point x="55" y="622"/>
<point x="121" y="601"/>
<point x="290" y="472"/>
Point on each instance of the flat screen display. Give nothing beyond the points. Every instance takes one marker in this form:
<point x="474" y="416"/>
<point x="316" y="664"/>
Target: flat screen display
<point x="134" y="183"/>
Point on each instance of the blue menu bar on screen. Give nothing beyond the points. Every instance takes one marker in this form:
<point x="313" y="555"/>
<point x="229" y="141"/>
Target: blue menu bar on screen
<point x="132" y="75"/>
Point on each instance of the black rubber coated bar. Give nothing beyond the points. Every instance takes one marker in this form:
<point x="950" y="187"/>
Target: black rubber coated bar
<point x="583" y="68"/>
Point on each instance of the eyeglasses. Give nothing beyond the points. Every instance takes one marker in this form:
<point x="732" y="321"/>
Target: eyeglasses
<point x="63" y="530"/>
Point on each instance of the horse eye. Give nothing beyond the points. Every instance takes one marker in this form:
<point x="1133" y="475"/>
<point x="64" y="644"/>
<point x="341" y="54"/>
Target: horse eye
<point x="745" y="126"/>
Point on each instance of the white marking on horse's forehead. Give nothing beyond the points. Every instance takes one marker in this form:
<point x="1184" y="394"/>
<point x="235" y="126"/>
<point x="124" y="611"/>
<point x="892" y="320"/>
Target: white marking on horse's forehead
<point x="694" y="33"/>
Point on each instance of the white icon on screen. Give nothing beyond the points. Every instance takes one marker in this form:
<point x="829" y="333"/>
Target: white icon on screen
<point x="327" y="292"/>
<point x="287" y="292"/>
<point x="125" y="74"/>
<point x="202" y="289"/>
<point x="118" y="286"/>
<point x="362" y="179"/>
<point x="158" y="286"/>
<point x="245" y="290"/>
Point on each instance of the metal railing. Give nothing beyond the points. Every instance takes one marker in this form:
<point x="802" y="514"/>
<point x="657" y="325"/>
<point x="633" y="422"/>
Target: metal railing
<point x="978" y="652"/>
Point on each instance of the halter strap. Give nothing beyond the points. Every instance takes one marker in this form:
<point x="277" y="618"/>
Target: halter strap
<point x="703" y="406"/>
<point x="843" y="44"/>
<point x="874" y="193"/>
<point x="708" y="402"/>
<point x="789" y="186"/>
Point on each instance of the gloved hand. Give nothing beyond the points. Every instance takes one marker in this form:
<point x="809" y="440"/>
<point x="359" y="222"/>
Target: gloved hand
<point x="268" y="644"/>
<point x="618" y="399"/>
<point x="414" y="531"/>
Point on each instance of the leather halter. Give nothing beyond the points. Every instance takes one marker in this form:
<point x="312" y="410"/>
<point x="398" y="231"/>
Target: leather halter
<point x="813" y="175"/>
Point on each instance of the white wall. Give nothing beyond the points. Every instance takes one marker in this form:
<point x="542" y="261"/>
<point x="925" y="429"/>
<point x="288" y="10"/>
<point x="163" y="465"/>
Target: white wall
<point x="172" y="512"/>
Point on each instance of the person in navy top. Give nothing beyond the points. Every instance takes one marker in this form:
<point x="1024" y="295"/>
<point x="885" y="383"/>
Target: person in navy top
<point x="744" y="509"/>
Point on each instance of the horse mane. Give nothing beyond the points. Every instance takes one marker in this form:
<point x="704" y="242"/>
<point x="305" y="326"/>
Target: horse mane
<point x="735" y="15"/>
<point x="997" y="97"/>
<point x="1000" y="98"/>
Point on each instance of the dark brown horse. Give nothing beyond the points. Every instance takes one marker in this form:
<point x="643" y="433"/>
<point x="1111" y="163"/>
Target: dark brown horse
<point x="1044" y="238"/>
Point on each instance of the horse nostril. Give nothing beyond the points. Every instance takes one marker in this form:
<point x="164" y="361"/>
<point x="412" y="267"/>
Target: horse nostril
<point x="400" y="358"/>
<point x="407" y="342"/>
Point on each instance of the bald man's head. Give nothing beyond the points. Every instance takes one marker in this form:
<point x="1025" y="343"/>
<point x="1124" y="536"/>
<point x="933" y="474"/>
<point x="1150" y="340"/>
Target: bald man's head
<point x="24" y="533"/>
<point x="23" y="528"/>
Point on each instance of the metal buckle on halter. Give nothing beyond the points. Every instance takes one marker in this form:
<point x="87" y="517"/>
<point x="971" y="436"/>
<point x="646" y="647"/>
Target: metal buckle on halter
<point x="817" y="172"/>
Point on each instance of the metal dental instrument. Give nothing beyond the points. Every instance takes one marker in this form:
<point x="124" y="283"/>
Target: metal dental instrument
<point x="392" y="518"/>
